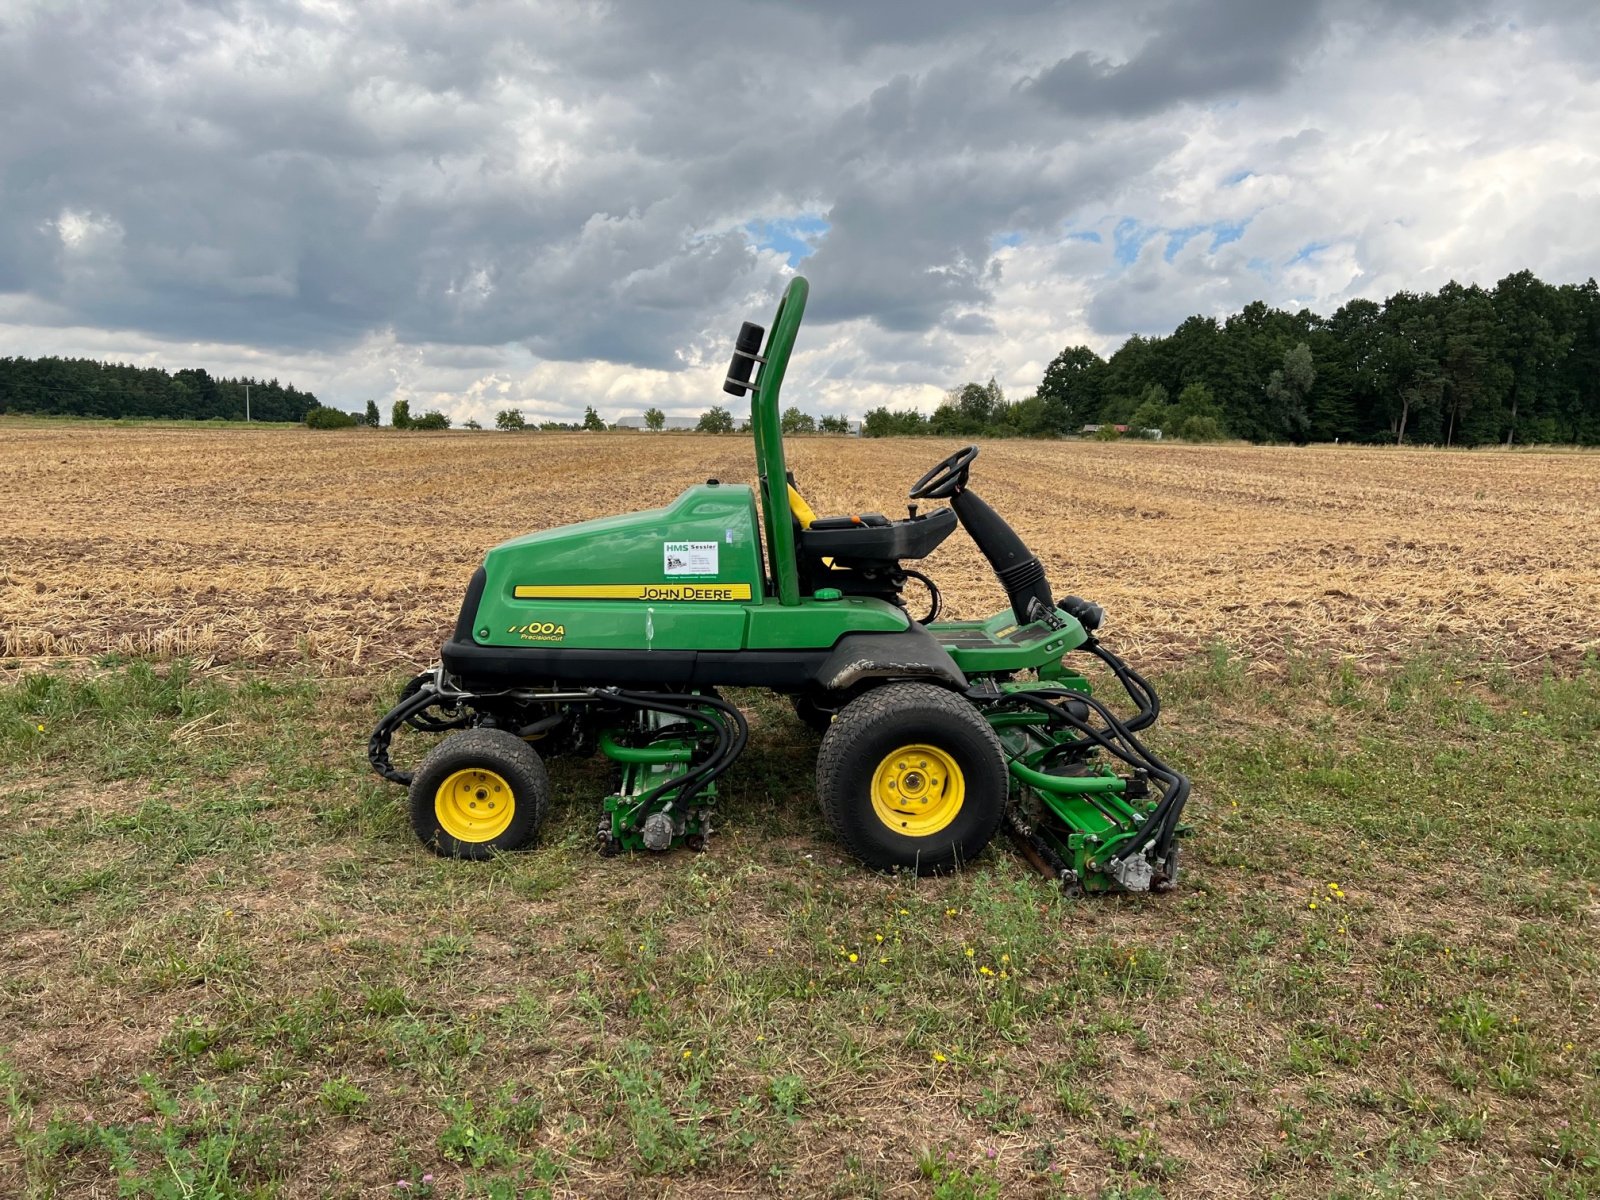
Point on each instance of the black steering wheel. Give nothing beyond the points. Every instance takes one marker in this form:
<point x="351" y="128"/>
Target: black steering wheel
<point x="947" y="478"/>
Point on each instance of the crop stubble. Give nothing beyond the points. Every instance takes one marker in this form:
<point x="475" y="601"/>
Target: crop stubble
<point x="353" y="548"/>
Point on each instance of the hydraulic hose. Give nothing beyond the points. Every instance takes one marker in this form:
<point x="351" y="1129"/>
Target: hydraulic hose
<point x="729" y="745"/>
<point x="1159" y="826"/>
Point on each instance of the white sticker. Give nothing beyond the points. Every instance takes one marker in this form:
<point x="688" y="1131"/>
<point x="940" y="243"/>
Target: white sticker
<point x="689" y="558"/>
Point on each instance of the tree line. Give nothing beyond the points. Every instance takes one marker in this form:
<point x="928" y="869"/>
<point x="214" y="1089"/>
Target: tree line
<point x="1464" y="366"/>
<point x="84" y="387"/>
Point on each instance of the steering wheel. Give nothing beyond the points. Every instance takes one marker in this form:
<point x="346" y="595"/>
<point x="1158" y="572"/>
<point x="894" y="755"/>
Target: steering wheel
<point x="947" y="478"/>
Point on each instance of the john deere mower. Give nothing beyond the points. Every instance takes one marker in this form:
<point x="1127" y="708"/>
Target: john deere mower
<point x="618" y="636"/>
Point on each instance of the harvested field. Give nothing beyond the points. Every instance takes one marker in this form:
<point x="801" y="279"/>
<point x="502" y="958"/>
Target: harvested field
<point x="354" y="547"/>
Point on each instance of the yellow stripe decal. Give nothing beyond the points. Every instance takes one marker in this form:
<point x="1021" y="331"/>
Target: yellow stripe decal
<point x="632" y="591"/>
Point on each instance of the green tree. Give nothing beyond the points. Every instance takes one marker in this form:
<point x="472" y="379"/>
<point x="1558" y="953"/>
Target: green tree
<point x="510" y="419"/>
<point x="834" y="425"/>
<point x="716" y="420"/>
<point x="1196" y="416"/>
<point x="432" y="419"/>
<point x="372" y="414"/>
<point x="795" y="421"/>
<point x="1534" y="333"/>
<point x="654" y="419"/>
<point x="976" y="403"/>
<point x="1152" y="415"/>
<point x="591" y="420"/>
<point x="400" y="414"/>
<point x="1408" y="361"/>
<point x="328" y="418"/>
<point x="1028" y="418"/>
<point x="947" y="420"/>
<point x="1288" y="388"/>
<point x="1072" y="389"/>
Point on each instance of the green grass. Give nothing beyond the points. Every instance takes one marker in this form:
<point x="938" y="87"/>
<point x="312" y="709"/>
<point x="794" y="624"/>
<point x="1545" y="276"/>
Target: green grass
<point x="230" y="971"/>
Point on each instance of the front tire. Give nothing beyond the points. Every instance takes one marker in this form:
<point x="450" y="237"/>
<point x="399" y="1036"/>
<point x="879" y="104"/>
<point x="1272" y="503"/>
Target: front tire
<point x="478" y="794"/>
<point x="910" y="776"/>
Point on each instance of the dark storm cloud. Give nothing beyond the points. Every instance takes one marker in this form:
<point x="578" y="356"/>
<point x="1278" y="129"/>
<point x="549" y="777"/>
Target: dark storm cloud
<point x="1199" y="52"/>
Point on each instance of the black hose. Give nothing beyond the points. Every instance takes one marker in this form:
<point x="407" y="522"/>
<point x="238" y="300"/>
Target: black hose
<point x="729" y="745"/>
<point x="378" y="744"/>
<point x="1161" y="823"/>
<point x="1136" y="685"/>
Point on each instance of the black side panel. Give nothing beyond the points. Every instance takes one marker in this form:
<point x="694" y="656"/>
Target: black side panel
<point x="912" y="654"/>
<point x="469" y="606"/>
<point x="505" y="666"/>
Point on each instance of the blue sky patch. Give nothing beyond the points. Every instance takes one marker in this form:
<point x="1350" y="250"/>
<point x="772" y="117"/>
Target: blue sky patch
<point x="1309" y="251"/>
<point x="1224" y="232"/>
<point x="1013" y="238"/>
<point x="795" y="236"/>
<point x="1178" y="238"/>
<point x="1130" y="237"/>
<point x="1237" y="177"/>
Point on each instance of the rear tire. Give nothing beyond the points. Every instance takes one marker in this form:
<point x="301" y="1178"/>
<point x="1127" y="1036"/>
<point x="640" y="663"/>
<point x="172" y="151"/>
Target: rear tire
<point x="911" y="777"/>
<point x="478" y="794"/>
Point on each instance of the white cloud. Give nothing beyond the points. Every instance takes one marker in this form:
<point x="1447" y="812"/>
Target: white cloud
<point x="550" y="207"/>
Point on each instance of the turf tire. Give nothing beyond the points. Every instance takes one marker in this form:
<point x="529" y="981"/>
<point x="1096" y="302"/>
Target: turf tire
<point x="872" y="727"/>
<point x="489" y="749"/>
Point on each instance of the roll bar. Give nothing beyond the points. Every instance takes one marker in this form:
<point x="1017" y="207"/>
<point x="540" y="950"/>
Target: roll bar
<point x="765" y="424"/>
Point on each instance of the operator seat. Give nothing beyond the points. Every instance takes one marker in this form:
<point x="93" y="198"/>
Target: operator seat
<point x="870" y="541"/>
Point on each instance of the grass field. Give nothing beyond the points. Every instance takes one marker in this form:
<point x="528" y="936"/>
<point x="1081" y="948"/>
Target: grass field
<point x="228" y="970"/>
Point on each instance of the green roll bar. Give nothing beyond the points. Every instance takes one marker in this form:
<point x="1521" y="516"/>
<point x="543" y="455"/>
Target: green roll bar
<point x="764" y="424"/>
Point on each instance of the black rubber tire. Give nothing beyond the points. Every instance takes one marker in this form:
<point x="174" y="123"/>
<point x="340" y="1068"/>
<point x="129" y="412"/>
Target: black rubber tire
<point x="493" y="750"/>
<point x="872" y="727"/>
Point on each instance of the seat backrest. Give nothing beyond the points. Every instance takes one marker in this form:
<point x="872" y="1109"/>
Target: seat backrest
<point x="804" y="515"/>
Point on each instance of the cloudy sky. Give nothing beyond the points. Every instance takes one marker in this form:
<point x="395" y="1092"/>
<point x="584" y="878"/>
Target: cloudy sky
<point x="477" y="205"/>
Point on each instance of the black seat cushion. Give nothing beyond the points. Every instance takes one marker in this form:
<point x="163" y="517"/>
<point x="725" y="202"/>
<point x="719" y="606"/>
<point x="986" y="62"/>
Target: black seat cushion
<point x="845" y="541"/>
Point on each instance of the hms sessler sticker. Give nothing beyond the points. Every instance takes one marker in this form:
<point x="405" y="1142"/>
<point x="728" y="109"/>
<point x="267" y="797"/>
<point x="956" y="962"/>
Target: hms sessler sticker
<point x="689" y="558"/>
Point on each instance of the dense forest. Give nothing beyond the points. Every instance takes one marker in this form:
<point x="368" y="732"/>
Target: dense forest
<point x="81" y="387"/>
<point x="1464" y="366"/>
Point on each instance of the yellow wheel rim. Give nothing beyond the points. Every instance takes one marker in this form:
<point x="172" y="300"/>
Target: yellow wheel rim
<point x="918" y="790"/>
<point x="474" y="805"/>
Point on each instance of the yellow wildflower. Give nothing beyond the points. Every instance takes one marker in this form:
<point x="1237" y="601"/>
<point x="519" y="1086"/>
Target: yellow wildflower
<point x="939" y="1058"/>
<point x="970" y="952"/>
<point x="852" y="958"/>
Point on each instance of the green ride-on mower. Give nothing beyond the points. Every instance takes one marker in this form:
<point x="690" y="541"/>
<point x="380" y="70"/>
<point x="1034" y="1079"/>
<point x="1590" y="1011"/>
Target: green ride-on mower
<point x="618" y="635"/>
